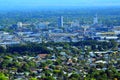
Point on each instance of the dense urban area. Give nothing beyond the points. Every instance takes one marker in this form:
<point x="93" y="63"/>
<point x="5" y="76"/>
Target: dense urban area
<point x="77" y="44"/>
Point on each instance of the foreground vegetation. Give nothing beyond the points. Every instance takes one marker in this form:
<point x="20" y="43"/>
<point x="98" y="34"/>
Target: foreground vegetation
<point x="64" y="61"/>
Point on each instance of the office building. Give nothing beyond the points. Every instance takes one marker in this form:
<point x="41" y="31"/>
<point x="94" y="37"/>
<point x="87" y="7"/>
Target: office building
<point x="60" y="21"/>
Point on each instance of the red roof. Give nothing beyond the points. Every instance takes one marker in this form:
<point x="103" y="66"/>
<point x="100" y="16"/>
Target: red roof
<point x="42" y="55"/>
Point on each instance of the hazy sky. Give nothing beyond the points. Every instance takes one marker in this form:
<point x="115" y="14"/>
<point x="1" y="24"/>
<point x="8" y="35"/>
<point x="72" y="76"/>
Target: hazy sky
<point x="60" y="3"/>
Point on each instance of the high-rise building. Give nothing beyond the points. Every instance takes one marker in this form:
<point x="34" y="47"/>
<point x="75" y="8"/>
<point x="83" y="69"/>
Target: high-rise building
<point x="60" y="21"/>
<point x="95" y="20"/>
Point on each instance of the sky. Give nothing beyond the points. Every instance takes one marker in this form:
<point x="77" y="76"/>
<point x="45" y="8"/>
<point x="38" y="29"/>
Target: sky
<point x="7" y="4"/>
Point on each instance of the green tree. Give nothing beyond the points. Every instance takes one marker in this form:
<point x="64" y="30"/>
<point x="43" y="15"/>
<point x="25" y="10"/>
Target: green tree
<point x="2" y="49"/>
<point x="3" y="77"/>
<point x="33" y="79"/>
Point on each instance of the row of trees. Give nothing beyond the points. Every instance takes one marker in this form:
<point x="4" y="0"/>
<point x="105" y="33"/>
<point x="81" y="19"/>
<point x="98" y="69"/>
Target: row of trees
<point x="25" y="49"/>
<point x="30" y="48"/>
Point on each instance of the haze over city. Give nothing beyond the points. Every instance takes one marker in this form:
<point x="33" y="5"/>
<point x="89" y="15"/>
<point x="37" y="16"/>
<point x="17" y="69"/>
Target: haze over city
<point x="25" y="4"/>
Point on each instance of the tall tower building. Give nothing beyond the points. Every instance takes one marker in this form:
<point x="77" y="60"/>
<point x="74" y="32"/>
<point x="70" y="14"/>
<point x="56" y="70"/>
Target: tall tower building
<point x="95" y="20"/>
<point x="60" y="21"/>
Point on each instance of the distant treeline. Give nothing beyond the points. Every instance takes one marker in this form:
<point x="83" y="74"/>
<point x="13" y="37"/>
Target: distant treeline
<point x="107" y="16"/>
